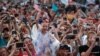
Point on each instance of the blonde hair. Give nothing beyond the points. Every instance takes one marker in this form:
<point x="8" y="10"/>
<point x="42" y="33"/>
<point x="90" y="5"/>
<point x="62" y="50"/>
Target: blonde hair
<point x="91" y="32"/>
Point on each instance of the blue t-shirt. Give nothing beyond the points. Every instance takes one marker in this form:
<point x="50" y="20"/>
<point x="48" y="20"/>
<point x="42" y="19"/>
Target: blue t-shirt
<point x="3" y="42"/>
<point x="54" y="7"/>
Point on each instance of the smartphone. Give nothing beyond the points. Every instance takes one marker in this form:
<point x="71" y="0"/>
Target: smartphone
<point x="14" y="32"/>
<point x="83" y="17"/>
<point x="75" y="31"/>
<point x="97" y="39"/>
<point x="25" y="20"/>
<point x="40" y="21"/>
<point x="19" y="45"/>
<point x="70" y="37"/>
<point x="49" y="28"/>
<point x="65" y="18"/>
<point x="59" y="33"/>
<point x="55" y="25"/>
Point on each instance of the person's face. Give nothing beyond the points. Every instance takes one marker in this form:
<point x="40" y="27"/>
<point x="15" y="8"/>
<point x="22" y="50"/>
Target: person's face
<point x="29" y="43"/>
<point x="6" y="34"/>
<point x="91" y="36"/>
<point x="70" y="15"/>
<point x="16" y="52"/>
<point x="3" y="52"/>
<point x="45" y="26"/>
<point x="64" y="52"/>
<point x="5" y="25"/>
<point x="90" y="21"/>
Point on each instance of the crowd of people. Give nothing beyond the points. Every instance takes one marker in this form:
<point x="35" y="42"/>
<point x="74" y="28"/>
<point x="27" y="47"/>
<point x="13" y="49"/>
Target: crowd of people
<point x="50" y="28"/>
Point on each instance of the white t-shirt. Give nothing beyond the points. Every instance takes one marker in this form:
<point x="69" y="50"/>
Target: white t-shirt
<point x="34" y="33"/>
<point x="84" y="39"/>
<point x="55" y="45"/>
<point x="42" y="42"/>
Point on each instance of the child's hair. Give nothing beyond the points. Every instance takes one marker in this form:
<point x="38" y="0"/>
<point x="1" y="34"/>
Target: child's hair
<point x="71" y="8"/>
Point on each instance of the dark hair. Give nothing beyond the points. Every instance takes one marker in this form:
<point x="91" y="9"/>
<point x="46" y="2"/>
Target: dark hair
<point x="59" y="33"/>
<point x="62" y="47"/>
<point x="27" y="38"/>
<point x="5" y="30"/>
<point x="1" y="9"/>
<point x="16" y="15"/>
<point x="65" y="47"/>
<point x="71" y="8"/>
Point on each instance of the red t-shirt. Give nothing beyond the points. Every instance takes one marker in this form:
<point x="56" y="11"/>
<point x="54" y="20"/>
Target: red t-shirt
<point x="23" y="53"/>
<point x="20" y="54"/>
